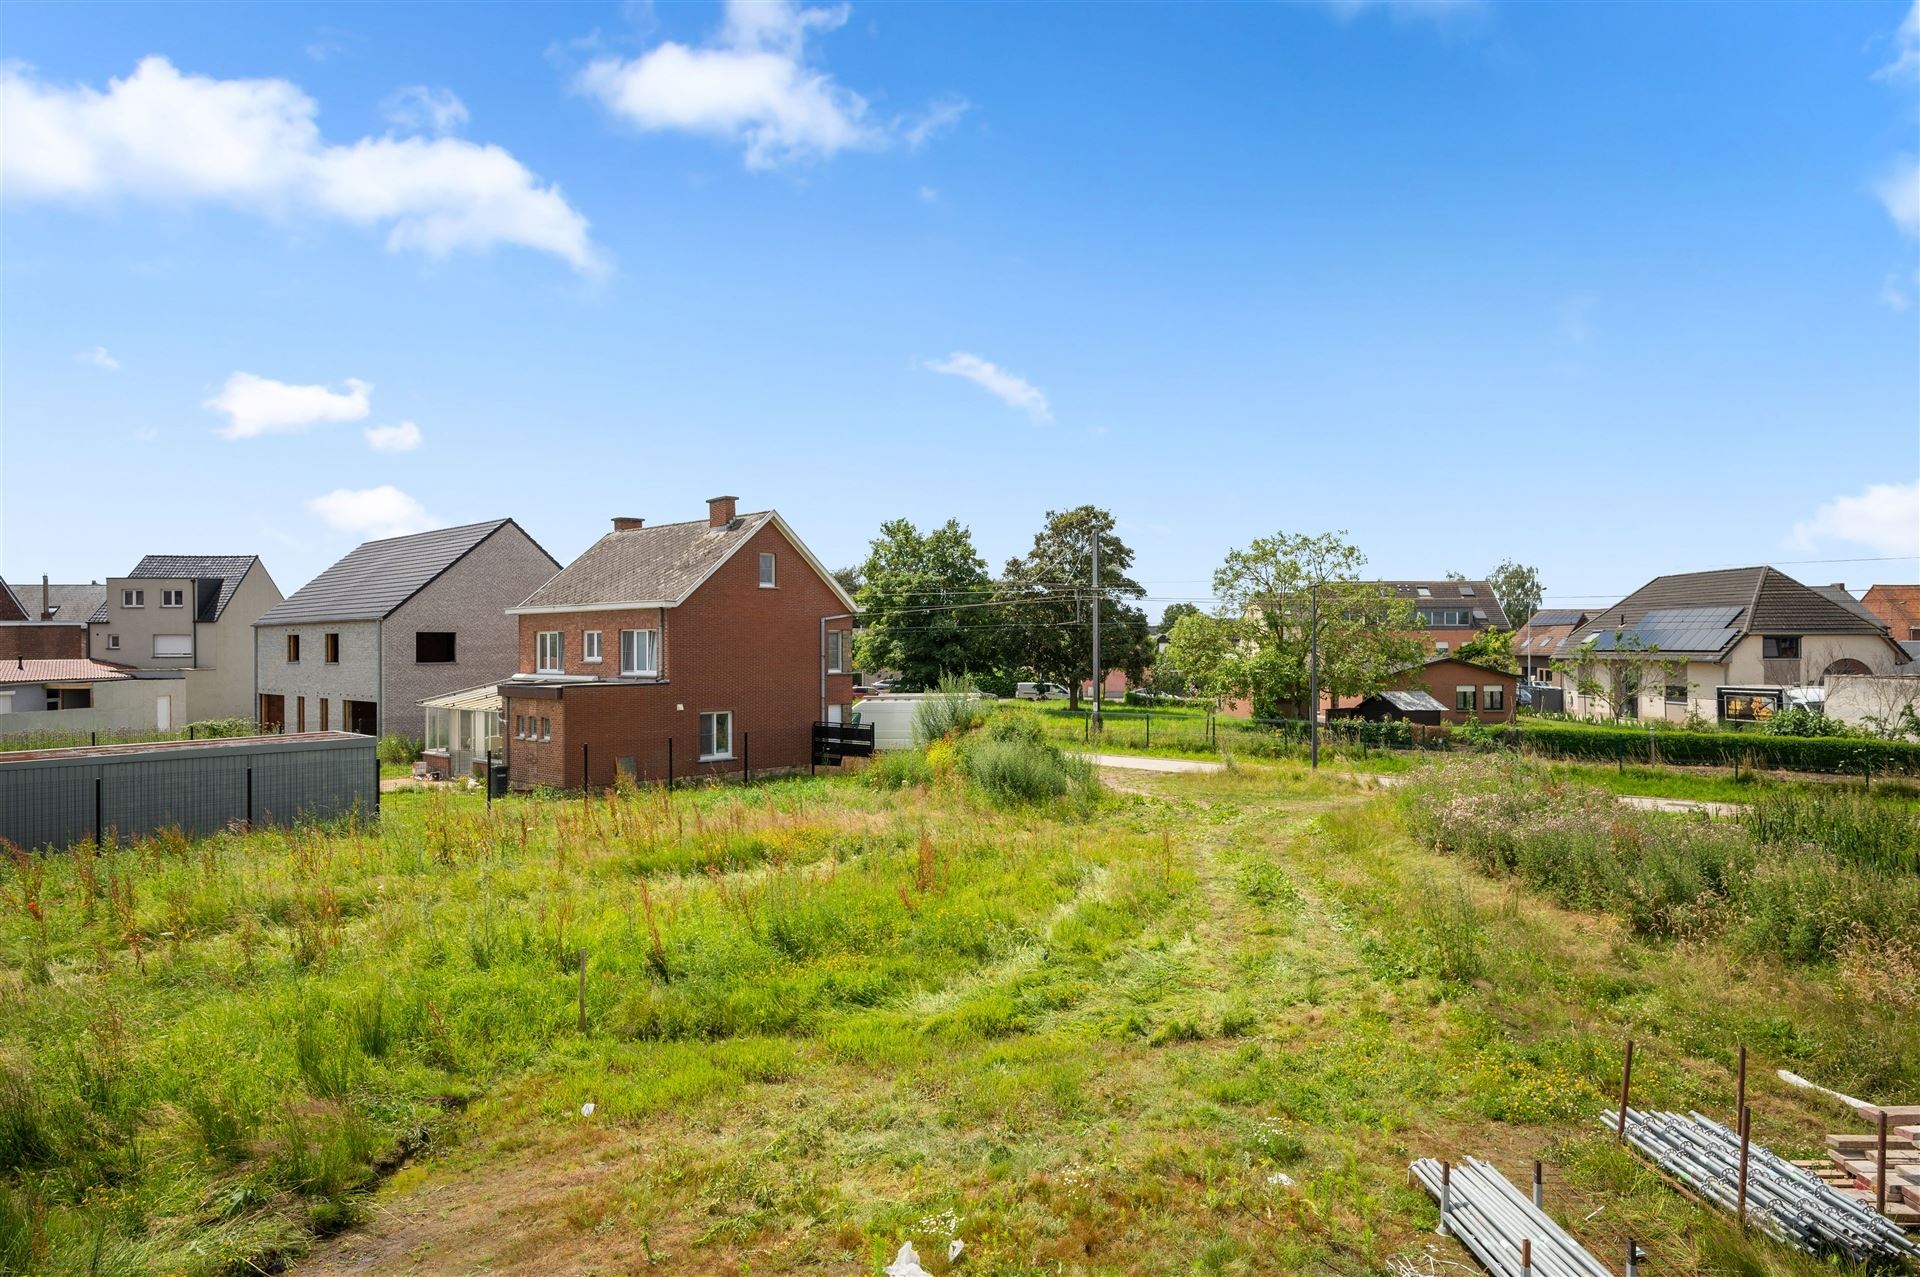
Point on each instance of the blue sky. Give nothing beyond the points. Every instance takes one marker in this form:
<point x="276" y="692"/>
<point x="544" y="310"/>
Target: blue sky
<point x="1613" y="290"/>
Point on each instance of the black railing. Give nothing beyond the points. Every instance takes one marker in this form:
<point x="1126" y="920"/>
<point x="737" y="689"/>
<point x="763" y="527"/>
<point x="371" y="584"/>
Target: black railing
<point x="835" y="741"/>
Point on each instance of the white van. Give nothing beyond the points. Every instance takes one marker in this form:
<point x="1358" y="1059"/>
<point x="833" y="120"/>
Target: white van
<point x="1040" y="692"/>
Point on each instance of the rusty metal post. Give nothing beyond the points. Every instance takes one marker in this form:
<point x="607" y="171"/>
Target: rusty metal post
<point x="1539" y="1185"/>
<point x="1526" y="1257"/>
<point x="1740" y="1085"/>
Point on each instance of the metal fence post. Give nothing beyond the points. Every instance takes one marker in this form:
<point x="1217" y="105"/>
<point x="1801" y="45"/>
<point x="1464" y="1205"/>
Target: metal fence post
<point x="746" y="758"/>
<point x="1626" y="1088"/>
<point x="669" y="762"/>
<point x="100" y="834"/>
<point x="583" y="772"/>
<point x="376" y="793"/>
<point x="376" y="782"/>
<point x="489" y="780"/>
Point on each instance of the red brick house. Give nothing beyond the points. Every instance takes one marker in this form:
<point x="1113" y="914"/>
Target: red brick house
<point x="1465" y="690"/>
<point x="47" y="622"/>
<point x="1898" y="608"/>
<point x="708" y="647"/>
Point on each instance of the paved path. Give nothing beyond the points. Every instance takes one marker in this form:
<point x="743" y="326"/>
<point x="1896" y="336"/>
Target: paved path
<point x="1141" y="763"/>
<point x="1716" y="810"/>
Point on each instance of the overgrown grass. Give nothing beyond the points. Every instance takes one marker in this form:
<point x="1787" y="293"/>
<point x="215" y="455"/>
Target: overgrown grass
<point x="1805" y="872"/>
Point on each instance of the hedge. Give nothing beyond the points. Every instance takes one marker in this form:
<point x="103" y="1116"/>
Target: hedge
<point x="1722" y="749"/>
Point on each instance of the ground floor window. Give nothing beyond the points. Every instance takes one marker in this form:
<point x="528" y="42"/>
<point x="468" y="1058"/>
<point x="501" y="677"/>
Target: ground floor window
<point x="1496" y="697"/>
<point x="1463" y="698"/>
<point x="546" y="729"/>
<point x="1676" y="693"/>
<point x="716" y="734"/>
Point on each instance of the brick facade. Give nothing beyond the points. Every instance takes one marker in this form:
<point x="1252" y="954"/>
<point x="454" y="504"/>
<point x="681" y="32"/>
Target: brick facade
<point x="1443" y="679"/>
<point x="731" y="646"/>
<point x="42" y="642"/>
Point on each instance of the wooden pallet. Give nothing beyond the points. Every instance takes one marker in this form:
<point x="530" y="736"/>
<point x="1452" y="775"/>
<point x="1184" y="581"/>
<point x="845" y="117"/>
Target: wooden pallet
<point x="1901" y="1212"/>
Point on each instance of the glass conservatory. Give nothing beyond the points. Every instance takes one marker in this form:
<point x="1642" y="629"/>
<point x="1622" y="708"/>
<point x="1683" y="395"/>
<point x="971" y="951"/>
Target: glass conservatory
<point x="461" y="728"/>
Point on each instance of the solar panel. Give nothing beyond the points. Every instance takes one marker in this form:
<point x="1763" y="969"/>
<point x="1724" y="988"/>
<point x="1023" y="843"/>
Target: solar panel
<point x="1680" y="629"/>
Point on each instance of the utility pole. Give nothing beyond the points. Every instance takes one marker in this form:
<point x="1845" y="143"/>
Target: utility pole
<point x="1313" y="676"/>
<point x="1097" y="680"/>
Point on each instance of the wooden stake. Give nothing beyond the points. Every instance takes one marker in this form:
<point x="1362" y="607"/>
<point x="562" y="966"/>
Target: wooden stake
<point x="1626" y="1088"/>
<point x="1880" y="1176"/>
<point x="1740" y="1084"/>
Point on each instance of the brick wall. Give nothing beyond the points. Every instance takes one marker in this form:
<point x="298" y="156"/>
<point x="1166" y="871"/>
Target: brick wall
<point x="44" y="642"/>
<point x="470" y="599"/>
<point x="1442" y="678"/>
<point x="355" y="677"/>
<point x="732" y="646"/>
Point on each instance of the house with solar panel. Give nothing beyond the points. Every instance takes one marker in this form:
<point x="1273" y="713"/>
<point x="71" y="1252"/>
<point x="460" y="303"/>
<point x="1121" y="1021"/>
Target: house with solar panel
<point x="1735" y="645"/>
<point x="396" y="622"/>
<point x="190" y="613"/>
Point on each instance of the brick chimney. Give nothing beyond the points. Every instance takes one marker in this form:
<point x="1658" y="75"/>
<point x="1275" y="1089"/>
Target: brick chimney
<point x="626" y="523"/>
<point x="720" y="511"/>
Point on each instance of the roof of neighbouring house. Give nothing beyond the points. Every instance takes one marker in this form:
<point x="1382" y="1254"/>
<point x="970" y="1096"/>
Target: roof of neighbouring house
<point x="484" y="697"/>
<point x="1838" y="593"/>
<point x="1706" y="613"/>
<point x="77" y="670"/>
<point x="1897" y="600"/>
<point x="657" y="566"/>
<point x="1411" y="700"/>
<point x="71" y="604"/>
<point x="1476" y="596"/>
<point x="378" y="576"/>
<point x="1549" y="617"/>
<point x="228" y="569"/>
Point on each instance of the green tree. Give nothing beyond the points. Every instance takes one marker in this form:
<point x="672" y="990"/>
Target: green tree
<point x="1047" y="597"/>
<point x="1518" y="588"/>
<point x="1200" y="656"/>
<point x="1491" y="647"/>
<point x="1172" y="614"/>
<point x="1280" y="592"/>
<point x="923" y="604"/>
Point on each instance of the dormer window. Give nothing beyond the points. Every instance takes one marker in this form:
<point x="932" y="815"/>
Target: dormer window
<point x="766" y="572"/>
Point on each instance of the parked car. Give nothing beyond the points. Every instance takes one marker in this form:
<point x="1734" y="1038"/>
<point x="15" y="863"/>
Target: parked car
<point x="1040" y="692"/>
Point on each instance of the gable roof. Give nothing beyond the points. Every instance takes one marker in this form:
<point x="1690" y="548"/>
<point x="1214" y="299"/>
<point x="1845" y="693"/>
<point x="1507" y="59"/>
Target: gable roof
<point x="10" y="605"/>
<point x="1706" y="613"/>
<point x="1475" y="595"/>
<point x="378" y="576"/>
<point x="227" y="569"/>
<point x="1549" y="617"/>
<point x="659" y="566"/>
<point x="1409" y="700"/>
<point x="72" y="604"/>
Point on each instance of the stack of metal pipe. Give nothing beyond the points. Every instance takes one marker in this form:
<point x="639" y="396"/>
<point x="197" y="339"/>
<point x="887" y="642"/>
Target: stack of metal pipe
<point x="1507" y="1233"/>
<point x="1781" y="1198"/>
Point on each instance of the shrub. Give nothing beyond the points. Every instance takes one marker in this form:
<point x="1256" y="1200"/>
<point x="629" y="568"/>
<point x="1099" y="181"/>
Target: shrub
<point x="215" y="728"/>
<point x="1720" y="749"/>
<point x="951" y="710"/>
<point x="898" y="769"/>
<point x="399" y="751"/>
<point x="1870" y="831"/>
<point x="1023" y="771"/>
<point x="1800" y="721"/>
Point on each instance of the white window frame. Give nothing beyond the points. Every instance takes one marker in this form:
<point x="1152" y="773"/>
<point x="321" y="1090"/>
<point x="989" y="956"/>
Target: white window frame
<point x="1473" y="698"/>
<point x="590" y="647"/>
<point x="710" y="736"/>
<point x="769" y="570"/>
<point x="173" y="598"/>
<point x="185" y="639"/>
<point x="1489" y="694"/>
<point x="133" y="598"/>
<point x="113" y="642"/>
<point x="839" y="650"/>
<point x="542" y="642"/>
<point x="630" y="643"/>
<point x="546" y="728"/>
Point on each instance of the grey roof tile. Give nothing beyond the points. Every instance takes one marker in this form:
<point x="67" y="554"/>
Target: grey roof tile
<point x="227" y="569"/>
<point x="71" y="603"/>
<point x="659" y="564"/>
<point x="1467" y="594"/>
<point x="1768" y="602"/>
<point x="379" y="576"/>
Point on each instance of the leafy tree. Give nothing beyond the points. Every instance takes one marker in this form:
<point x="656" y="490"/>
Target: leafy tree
<point x="911" y="586"/>
<point x="1491" y="647"/>
<point x="1200" y="656"/>
<point x="1617" y="677"/>
<point x="850" y="580"/>
<point x="1518" y="588"/>
<point x="1280" y="591"/>
<point x="1047" y="596"/>
<point x="1173" y="613"/>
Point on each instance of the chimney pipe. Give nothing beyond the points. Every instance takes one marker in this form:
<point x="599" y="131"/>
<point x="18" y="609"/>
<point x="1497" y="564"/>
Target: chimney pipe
<point x="720" y="511"/>
<point x="626" y="523"/>
<point x="46" y="599"/>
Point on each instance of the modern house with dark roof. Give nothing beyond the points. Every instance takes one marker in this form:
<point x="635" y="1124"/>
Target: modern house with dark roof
<point x="1727" y="645"/>
<point x="1453" y="612"/>
<point x="683" y="649"/>
<point x="393" y="623"/>
<point x="188" y="612"/>
<point x="47" y="621"/>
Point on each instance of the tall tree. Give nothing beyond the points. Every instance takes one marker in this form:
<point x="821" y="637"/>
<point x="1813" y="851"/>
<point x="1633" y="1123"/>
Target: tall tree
<point x="1279" y="592"/>
<point x="1173" y="613"/>
<point x="1518" y="588"/>
<point x="923" y="603"/>
<point x="1048" y="597"/>
<point x="1200" y="656"/>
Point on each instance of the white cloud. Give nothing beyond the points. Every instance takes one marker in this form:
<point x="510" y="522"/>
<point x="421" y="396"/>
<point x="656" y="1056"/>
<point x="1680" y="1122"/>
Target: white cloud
<point x="928" y="195"/>
<point x="163" y="136"/>
<point x="257" y="406"/>
<point x="752" y="85"/>
<point x="372" y="513"/>
<point x="1009" y="388"/>
<point x="404" y="437"/>
<point x="99" y="358"/>
<point x="1885" y="518"/>
<point x="1899" y="192"/>
<point x="423" y="110"/>
<point x="1892" y="294"/>
<point x="1906" y="48"/>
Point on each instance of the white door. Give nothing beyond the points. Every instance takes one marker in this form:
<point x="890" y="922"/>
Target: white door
<point x="163" y="714"/>
<point x="833" y="713"/>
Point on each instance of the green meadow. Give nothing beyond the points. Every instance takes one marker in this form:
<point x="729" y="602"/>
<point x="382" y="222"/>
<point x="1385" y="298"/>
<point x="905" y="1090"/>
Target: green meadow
<point x="1173" y="1024"/>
